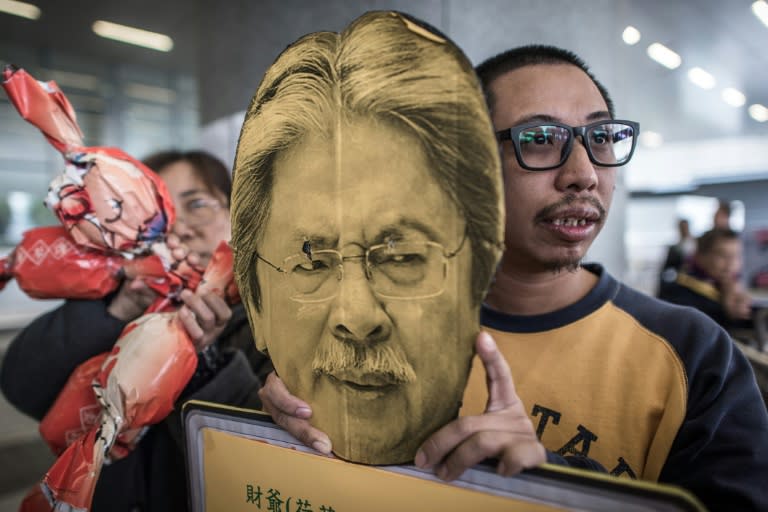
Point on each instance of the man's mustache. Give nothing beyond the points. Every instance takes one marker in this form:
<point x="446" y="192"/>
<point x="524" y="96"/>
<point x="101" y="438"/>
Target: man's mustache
<point x="380" y="363"/>
<point x="569" y="200"/>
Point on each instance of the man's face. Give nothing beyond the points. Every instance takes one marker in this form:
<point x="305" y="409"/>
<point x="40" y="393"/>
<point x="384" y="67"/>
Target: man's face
<point x="381" y="373"/>
<point x="552" y="216"/>
<point x="723" y="261"/>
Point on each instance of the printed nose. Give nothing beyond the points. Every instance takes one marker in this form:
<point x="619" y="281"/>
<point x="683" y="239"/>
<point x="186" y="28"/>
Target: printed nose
<point x="356" y="313"/>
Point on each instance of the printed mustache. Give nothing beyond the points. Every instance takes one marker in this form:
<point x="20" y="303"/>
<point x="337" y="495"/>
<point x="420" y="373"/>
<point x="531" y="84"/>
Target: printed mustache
<point x="569" y="200"/>
<point x="377" y="365"/>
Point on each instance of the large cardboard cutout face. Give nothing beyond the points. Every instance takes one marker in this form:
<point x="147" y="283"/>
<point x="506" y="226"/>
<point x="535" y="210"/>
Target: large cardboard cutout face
<point x="367" y="222"/>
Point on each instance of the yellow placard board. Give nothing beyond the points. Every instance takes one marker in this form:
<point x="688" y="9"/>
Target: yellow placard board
<point x="239" y="460"/>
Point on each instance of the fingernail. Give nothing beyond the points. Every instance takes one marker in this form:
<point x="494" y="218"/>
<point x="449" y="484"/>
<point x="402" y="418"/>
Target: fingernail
<point x="501" y="469"/>
<point x="321" y="446"/>
<point x="485" y="341"/>
<point x="420" y="460"/>
<point x="442" y="472"/>
<point x="303" y="412"/>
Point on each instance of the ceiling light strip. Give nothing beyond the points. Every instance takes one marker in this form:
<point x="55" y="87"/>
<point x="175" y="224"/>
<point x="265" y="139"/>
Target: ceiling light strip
<point x="664" y="56"/>
<point x="758" y="112"/>
<point x="701" y="78"/>
<point x="132" y="35"/>
<point x="23" y="9"/>
<point x="760" y="9"/>
<point x="630" y="35"/>
<point x="733" y="97"/>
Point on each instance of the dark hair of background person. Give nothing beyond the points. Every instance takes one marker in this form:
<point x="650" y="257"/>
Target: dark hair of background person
<point x="531" y="55"/>
<point x="706" y="242"/>
<point x="211" y="171"/>
<point x="724" y="206"/>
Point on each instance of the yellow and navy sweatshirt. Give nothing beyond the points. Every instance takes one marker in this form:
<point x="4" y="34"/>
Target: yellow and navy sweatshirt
<point x="648" y="389"/>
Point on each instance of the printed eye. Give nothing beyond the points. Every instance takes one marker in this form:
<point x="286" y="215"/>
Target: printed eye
<point x="400" y="259"/>
<point x="312" y="266"/>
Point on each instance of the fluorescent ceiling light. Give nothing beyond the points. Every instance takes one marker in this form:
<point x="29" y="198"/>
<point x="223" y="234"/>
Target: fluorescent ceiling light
<point x="23" y="9"/>
<point x="150" y="93"/>
<point x="664" y="56"/>
<point x="71" y="79"/>
<point x="131" y="35"/>
<point x="733" y="97"/>
<point x="651" y="139"/>
<point x="631" y="35"/>
<point x="760" y="8"/>
<point x="701" y="78"/>
<point x="758" y="112"/>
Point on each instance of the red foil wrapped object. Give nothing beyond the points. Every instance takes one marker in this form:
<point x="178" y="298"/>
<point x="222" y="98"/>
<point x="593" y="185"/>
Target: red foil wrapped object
<point x="49" y="264"/>
<point x="46" y="104"/>
<point x="104" y="197"/>
<point x="106" y="200"/>
<point x="136" y="386"/>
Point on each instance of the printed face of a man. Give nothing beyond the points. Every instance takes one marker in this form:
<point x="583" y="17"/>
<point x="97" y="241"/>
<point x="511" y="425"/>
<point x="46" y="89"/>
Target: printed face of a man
<point x="381" y="352"/>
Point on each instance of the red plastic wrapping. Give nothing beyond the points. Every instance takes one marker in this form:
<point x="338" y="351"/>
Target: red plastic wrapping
<point x="136" y="385"/>
<point x="105" y="198"/>
<point x="116" y="213"/>
<point x="75" y="410"/>
<point x="49" y="264"/>
<point x="35" y="501"/>
<point x="44" y="103"/>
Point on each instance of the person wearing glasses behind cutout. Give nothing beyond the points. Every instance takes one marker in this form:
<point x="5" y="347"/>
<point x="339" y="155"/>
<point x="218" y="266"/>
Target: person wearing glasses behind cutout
<point x="367" y="221"/>
<point x="41" y="358"/>
<point x="642" y="388"/>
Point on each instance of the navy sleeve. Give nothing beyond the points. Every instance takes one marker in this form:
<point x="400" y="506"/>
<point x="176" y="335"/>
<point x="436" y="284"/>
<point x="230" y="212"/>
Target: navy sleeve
<point x="721" y="450"/>
<point x="41" y="358"/>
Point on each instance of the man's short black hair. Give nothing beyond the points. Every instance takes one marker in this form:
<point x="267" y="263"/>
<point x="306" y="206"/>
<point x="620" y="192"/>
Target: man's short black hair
<point x="707" y="242"/>
<point x="531" y="55"/>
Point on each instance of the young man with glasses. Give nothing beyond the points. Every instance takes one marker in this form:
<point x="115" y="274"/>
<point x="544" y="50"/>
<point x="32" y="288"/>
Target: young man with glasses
<point x="647" y="389"/>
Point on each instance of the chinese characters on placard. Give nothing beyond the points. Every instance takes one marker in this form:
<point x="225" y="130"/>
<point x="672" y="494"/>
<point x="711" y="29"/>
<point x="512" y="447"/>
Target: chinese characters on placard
<point x="274" y="502"/>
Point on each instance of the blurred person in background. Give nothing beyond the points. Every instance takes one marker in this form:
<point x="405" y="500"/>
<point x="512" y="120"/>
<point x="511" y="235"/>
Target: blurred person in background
<point x="41" y="358"/>
<point x="677" y="254"/>
<point x="722" y="217"/>
<point x="712" y="283"/>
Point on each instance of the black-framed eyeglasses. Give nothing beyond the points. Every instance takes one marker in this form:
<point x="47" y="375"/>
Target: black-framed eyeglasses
<point x="395" y="270"/>
<point x="541" y="146"/>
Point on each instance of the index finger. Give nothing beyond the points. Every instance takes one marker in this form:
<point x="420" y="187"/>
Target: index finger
<point x="501" y="387"/>
<point x="220" y="308"/>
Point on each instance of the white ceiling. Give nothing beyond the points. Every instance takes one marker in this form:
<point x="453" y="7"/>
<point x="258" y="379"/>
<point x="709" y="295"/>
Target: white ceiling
<point x="722" y="37"/>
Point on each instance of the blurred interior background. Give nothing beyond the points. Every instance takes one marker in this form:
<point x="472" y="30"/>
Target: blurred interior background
<point x="701" y="102"/>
